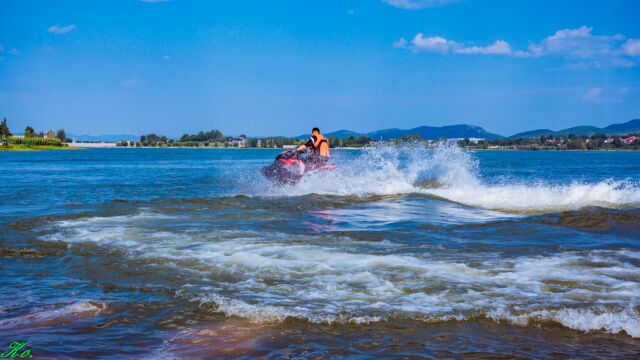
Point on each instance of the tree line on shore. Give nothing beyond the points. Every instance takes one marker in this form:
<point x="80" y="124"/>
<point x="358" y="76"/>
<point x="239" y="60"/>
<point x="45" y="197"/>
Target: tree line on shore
<point x="215" y="138"/>
<point x="570" y="142"/>
<point x="32" y="137"/>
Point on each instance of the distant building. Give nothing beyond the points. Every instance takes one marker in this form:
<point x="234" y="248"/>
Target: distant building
<point x="259" y="143"/>
<point x="471" y="140"/>
<point x="240" y="142"/>
<point x="629" y="140"/>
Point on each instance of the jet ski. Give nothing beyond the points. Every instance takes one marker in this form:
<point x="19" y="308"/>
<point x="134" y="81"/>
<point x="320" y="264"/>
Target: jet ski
<point x="288" y="168"/>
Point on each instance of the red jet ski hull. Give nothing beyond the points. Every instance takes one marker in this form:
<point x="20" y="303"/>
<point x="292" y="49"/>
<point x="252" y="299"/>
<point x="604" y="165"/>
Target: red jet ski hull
<point x="288" y="168"/>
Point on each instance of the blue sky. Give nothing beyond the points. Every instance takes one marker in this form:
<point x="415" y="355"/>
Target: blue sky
<point x="281" y="67"/>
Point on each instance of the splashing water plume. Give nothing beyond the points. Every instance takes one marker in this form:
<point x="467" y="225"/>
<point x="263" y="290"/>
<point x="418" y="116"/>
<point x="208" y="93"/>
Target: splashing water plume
<point x="385" y="170"/>
<point x="399" y="169"/>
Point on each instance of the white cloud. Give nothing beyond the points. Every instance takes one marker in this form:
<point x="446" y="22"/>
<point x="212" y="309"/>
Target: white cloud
<point x="418" y="4"/>
<point x="57" y="29"/>
<point x="584" y="49"/>
<point x="441" y="45"/>
<point x="432" y="44"/>
<point x="577" y="43"/>
<point x="500" y="47"/>
<point x="632" y="47"/>
<point x="580" y="46"/>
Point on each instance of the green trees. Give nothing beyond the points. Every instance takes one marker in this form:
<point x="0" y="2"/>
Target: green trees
<point x="154" y="140"/>
<point x="409" y="138"/>
<point x="570" y="142"/>
<point x="36" y="141"/>
<point x="351" y="141"/>
<point x="215" y="138"/>
<point x="576" y="142"/>
<point x="61" y="134"/>
<point x="217" y="135"/>
<point x="29" y="132"/>
<point x="4" y="132"/>
<point x="206" y="138"/>
<point x="4" y="128"/>
<point x="211" y="136"/>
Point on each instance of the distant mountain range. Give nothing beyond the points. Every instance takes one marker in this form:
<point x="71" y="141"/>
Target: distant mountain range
<point x="427" y="132"/>
<point x="470" y="131"/>
<point x="615" y="129"/>
<point x="432" y="132"/>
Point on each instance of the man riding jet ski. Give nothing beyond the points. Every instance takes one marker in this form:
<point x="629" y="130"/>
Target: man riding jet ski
<point x="289" y="167"/>
<point x="319" y="146"/>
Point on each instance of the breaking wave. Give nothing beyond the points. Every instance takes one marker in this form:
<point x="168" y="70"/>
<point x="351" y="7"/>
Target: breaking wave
<point x="269" y="279"/>
<point x="453" y="174"/>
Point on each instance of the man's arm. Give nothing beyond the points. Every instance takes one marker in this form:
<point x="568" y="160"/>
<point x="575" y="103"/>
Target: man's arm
<point x="306" y="145"/>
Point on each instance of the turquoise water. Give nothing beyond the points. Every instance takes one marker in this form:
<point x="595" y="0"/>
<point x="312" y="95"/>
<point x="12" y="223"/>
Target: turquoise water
<point x="402" y="251"/>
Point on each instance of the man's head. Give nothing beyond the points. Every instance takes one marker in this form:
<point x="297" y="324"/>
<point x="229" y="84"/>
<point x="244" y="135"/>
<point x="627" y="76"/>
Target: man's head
<point x="315" y="130"/>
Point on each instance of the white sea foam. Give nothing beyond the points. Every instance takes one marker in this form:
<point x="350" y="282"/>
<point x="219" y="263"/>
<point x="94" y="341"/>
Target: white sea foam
<point x="55" y="313"/>
<point x="607" y="194"/>
<point x="386" y="170"/>
<point x="599" y="318"/>
<point x="267" y="279"/>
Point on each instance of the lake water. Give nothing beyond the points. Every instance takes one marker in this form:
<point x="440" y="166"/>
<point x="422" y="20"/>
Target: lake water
<point x="401" y="252"/>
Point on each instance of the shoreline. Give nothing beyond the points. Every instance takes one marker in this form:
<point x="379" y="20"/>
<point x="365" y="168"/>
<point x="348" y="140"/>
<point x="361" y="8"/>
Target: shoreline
<point x="14" y="148"/>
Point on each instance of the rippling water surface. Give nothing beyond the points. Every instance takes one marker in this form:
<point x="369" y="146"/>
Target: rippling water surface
<point x="400" y="252"/>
